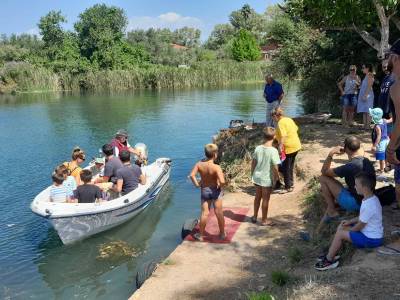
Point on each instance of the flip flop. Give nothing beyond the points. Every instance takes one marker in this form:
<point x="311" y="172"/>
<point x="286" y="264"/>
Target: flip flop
<point x="267" y="224"/>
<point x="386" y="250"/>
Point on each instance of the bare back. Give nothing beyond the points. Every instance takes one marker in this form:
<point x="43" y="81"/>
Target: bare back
<point x="210" y="173"/>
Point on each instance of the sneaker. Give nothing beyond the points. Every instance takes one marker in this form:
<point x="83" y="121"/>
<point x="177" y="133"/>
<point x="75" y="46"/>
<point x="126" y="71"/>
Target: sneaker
<point x="198" y="237"/>
<point x="321" y="258"/>
<point x="325" y="264"/>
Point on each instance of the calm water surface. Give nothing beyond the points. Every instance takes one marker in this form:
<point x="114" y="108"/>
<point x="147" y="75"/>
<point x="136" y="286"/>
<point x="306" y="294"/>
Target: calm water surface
<point x="37" y="132"/>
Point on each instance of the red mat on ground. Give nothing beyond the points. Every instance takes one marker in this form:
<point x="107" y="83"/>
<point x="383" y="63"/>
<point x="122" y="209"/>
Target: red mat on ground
<point x="234" y="216"/>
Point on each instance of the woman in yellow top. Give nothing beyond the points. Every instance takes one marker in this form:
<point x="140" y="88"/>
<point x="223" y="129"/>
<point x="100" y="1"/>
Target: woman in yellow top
<point x="78" y="157"/>
<point x="286" y="134"/>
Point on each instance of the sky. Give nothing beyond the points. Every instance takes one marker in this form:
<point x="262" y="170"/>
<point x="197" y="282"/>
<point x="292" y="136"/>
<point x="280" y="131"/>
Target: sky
<point x="22" y="16"/>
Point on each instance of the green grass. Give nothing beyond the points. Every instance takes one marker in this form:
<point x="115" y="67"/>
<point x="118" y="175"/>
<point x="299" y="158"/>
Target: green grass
<point x="260" y="296"/>
<point x="280" y="278"/>
<point x="295" y="255"/>
<point x="168" y="262"/>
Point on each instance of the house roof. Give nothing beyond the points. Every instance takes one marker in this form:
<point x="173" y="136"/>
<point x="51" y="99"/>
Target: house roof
<point x="179" y="47"/>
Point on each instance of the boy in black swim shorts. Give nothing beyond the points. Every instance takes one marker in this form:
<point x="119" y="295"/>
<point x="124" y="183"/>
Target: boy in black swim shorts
<point x="212" y="180"/>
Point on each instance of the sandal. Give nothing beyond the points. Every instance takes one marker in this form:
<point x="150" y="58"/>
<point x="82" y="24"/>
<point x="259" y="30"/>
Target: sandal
<point x="253" y="220"/>
<point x="387" y="250"/>
<point x="267" y="223"/>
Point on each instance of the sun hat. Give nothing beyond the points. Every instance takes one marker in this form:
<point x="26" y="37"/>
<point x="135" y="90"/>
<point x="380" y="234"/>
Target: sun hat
<point x="376" y="114"/>
<point x="99" y="160"/>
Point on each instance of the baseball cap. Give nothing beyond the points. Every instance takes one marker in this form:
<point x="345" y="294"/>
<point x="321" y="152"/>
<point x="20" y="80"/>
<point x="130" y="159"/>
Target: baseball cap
<point x="122" y="132"/>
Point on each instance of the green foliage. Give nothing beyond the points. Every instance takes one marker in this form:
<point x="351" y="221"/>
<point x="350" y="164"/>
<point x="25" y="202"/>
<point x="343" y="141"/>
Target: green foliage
<point x="295" y="255"/>
<point x="280" y="278"/>
<point x="260" y="296"/>
<point x="247" y="18"/>
<point x="220" y="36"/>
<point x="50" y="28"/>
<point x="245" y="47"/>
<point x="12" y="53"/>
<point x="186" y="36"/>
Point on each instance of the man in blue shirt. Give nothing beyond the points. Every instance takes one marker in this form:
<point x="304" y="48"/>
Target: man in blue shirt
<point x="273" y="94"/>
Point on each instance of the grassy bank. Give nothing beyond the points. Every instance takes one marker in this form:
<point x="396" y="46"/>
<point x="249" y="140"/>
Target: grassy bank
<point x="24" y="77"/>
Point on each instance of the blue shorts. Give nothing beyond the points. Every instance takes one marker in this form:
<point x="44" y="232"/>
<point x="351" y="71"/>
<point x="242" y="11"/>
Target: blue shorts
<point x="210" y="193"/>
<point x="349" y="100"/>
<point x="359" y="240"/>
<point x="347" y="201"/>
<point x="397" y="174"/>
<point x="380" y="155"/>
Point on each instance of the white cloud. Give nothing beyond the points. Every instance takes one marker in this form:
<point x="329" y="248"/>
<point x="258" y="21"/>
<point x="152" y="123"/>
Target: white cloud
<point x="33" y="31"/>
<point x="169" y="20"/>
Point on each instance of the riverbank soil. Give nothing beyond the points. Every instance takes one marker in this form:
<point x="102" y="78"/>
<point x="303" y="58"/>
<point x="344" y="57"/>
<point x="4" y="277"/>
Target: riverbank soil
<point x="275" y="259"/>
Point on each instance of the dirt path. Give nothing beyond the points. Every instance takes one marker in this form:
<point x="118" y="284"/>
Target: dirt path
<point x="230" y="271"/>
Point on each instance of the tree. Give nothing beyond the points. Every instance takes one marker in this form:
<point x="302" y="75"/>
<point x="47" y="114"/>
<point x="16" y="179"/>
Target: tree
<point x="99" y="29"/>
<point x="186" y="36"/>
<point x="245" y="47"/>
<point x="368" y="18"/>
<point x="50" y="28"/>
<point x="247" y="18"/>
<point x="221" y="35"/>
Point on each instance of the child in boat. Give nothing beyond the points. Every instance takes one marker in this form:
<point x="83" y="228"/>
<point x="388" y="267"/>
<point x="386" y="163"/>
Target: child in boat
<point x="69" y="182"/>
<point x="365" y="231"/>
<point x="264" y="174"/>
<point x="380" y="137"/>
<point x="58" y="193"/>
<point x="212" y="181"/>
<point x="88" y="192"/>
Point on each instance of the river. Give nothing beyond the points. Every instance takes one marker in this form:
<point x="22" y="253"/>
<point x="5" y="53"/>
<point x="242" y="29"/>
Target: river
<point x="38" y="131"/>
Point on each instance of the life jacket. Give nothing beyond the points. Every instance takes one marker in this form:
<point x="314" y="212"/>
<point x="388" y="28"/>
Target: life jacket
<point x="117" y="144"/>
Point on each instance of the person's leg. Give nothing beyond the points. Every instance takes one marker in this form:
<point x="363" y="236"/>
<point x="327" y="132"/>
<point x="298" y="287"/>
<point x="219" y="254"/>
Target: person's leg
<point x="257" y="200"/>
<point x="344" y="116"/>
<point x="205" y="210"/>
<point x="340" y="236"/>
<point x="286" y="170"/>
<point x="381" y="165"/>
<point x="291" y="169"/>
<point x="368" y="121"/>
<point x="219" y="213"/>
<point x="268" y="117"/>
<point x="397" y="183"/>
<point x="266" y="195"/>
<point x="330" y="189"/>
<point x="397" y="188"/>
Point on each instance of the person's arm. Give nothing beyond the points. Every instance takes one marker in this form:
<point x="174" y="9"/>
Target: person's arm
<point x="220" y="177"/>
<point x="388" y="121"/>
<point x="394" y="142"/>
<point x="358" y="227"/>
<point x="253" y="165"/>
<point x="118" y="186"/>
<point x="275" y="174"/>
<point x="99" y="196"/>
<point x="378" y="137"/>
<point x="192" y="175"/>
<point x="349" y="222"/>
<point x="142" y="179"/>
<point x="340" y="85"/>
<point x="326" y="169"/>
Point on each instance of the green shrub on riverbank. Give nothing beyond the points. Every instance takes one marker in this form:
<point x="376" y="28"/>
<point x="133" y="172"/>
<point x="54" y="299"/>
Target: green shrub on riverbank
<point x="25" y="77"/>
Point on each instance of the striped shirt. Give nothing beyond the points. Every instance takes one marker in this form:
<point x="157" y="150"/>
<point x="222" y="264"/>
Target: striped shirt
<point x="58" y="194"/>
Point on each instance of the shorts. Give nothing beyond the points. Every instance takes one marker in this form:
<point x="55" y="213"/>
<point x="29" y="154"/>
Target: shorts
<point x="360" y="240"/>
<point x="397" y="174"/>
<point x="211" y="193"/>
<point x="380" y="155"/>
<point x="347" y="201"/>
<point x="349" y="100"/>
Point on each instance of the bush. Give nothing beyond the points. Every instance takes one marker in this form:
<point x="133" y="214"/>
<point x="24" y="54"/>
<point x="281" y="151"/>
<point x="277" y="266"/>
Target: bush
<point x="280" y="278"/>
<point x="245" y="47"/>
<point x="260" y="296"/>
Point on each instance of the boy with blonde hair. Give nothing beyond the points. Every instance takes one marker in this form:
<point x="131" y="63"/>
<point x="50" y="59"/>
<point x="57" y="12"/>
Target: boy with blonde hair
<point x="264" y="174"/>
<point x="212" y="181"/>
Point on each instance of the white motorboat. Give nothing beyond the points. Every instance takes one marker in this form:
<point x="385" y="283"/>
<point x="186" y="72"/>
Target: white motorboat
<point x="76" y="221"/>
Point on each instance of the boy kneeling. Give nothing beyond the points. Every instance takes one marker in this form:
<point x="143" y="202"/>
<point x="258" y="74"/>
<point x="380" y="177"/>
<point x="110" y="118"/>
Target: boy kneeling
<point x="366" y="231"/>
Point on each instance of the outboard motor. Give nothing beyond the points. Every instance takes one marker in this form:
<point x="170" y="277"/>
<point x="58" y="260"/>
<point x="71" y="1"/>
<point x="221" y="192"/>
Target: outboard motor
<point x="145" y="154"/>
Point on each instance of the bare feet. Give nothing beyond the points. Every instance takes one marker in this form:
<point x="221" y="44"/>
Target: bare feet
<point x="222" y="236"/>
<point x="267" y="223"/>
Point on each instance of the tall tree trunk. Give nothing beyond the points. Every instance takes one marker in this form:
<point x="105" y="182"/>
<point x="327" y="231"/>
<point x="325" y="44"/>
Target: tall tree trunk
<point x="384" y="44"/>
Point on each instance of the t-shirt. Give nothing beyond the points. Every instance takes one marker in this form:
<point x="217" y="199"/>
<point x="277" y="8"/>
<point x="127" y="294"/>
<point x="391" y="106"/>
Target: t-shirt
<point x="384" y="97"/>
<point x="111" y="167"/>
<point x="273" y="92"/>
<point x="70" y="185"/>
<point x="287" y="128"/>
<point x="87" y="193"/>
<point x="352" y="168"/>
<point x="266" y="158"/>
<point x="371" y="213"/>
<point x="58" y="194"/>
<point x="75" y="171"/>
<point x="130" y="174"/>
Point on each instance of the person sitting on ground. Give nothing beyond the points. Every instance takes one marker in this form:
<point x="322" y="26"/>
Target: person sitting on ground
<point x="289" y="143"/>
<point x="129" y="176"/>
<point x="58" y="193"/>
<point x="77" y="158"/>
<point x="87" y="192"/>
<point x="332" y="190"/>
<point x="212" y="181"/>
<point x="120" y="143"/>
<point x="264" y="174"/>
<point x="380" y="138"/>
<point x="69" y="182"/>
<point x="365" y="231"/>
